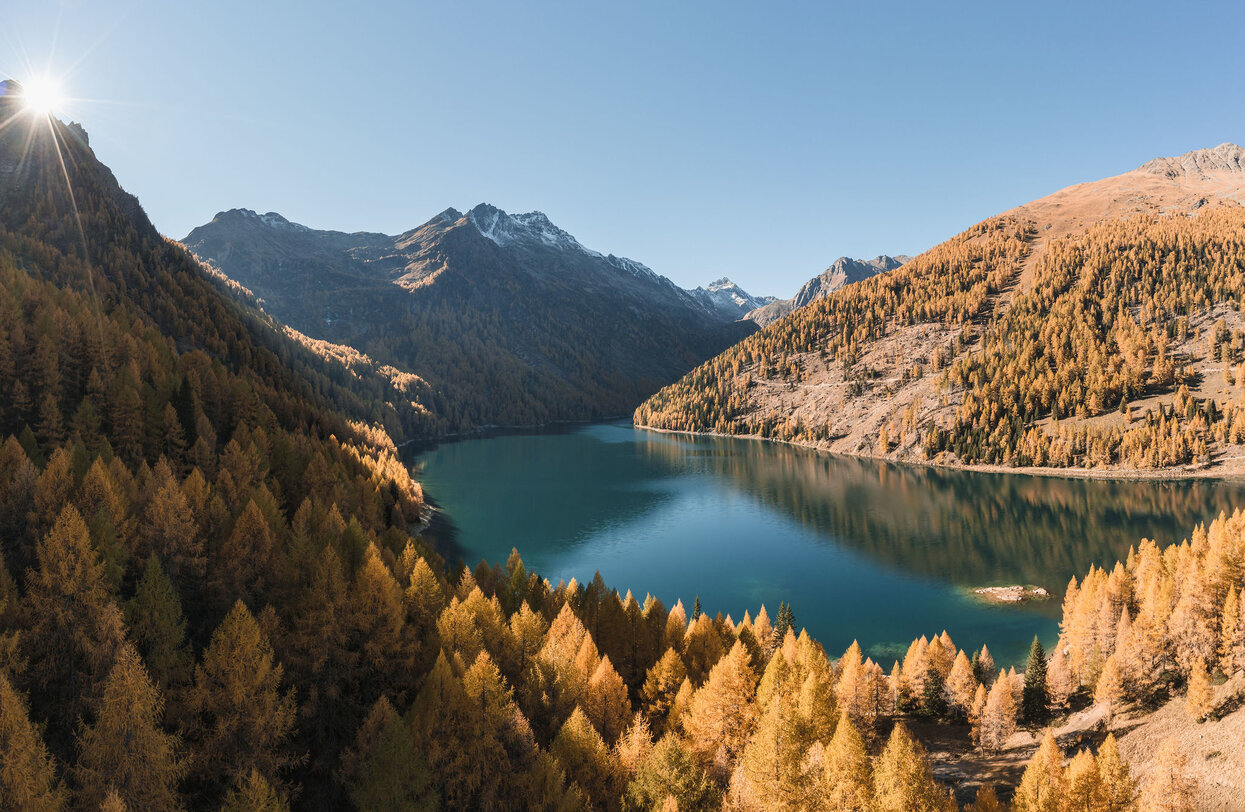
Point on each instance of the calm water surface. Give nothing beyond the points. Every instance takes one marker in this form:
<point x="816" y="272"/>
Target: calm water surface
<point x="861" y="549"/>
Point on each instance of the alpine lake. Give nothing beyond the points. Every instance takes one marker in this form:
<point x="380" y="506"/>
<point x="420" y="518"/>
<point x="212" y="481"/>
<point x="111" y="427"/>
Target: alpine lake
<point x="867" y="550"/>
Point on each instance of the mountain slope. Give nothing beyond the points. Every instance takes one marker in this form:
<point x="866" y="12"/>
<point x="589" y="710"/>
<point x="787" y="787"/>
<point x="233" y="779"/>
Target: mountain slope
<point x="1098" y="326"/>
<point x="166" y="454"/>
<point x="844" y="271"/>
<point x="509" y="319"/>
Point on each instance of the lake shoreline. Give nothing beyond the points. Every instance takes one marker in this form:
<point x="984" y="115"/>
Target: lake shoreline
<point x="419" y="445"/>
<point x="1213" y="471"/>
<point x="898" y="548"/>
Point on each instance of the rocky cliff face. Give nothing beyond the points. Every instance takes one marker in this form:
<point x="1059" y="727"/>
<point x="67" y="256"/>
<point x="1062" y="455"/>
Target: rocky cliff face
<point x="509" y="317"/>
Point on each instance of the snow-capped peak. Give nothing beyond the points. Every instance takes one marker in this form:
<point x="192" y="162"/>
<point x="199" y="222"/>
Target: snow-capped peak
<point x="271" y="219"/>
<point x="532" y="228"/>
<point x="727" y="298"/>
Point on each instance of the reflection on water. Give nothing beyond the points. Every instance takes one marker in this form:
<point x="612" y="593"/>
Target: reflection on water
<point x="863" y="549"/>
<point x="972" y="529"/>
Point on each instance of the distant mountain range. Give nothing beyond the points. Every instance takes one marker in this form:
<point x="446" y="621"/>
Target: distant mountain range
<point x="844" y="271"/>
<point x="509" y="319"/>
<point x="729" y="300"/>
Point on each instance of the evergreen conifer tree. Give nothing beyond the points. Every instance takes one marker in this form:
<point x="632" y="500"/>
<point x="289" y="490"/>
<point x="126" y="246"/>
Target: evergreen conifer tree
<point x="1036" y="699"/>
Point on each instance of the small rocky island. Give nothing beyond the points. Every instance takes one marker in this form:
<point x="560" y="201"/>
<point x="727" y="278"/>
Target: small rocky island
<point x="1011" y="594"/>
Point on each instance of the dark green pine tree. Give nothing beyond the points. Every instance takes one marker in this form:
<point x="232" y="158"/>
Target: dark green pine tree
<point x="933" y="698"/>
<point x="394" y="776"/>
<point x="1035" y="701"/>
<point x="783" y="623"/>
<point x="158" y="627"/>
<point x="696" y="610"/>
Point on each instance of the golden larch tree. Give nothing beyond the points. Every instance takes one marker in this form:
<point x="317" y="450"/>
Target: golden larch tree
<point x="722" y="712"/>
<point x="27" y="771"/>
<point x="1043" y="787"/>
<point x="606" y="703"/>
<point x="1084" y="784"/>
<point x="847" y="784"/>
<point x="243" y="718"/>
<point x="125" y="749"/>
<point x="902" y="779"/>
<point x="1168" y="786"/>
<point x="1200" y="698"/>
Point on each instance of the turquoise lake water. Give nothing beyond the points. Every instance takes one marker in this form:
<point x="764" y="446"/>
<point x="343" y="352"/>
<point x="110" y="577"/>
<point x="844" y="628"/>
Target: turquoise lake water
<point x="875" y="551"/>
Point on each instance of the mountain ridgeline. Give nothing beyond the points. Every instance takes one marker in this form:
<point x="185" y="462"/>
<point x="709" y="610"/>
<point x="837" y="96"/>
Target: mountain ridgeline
<point x="1097" y="327"/>
<point x="508" y="319"/>
<point x="844" y="271"/>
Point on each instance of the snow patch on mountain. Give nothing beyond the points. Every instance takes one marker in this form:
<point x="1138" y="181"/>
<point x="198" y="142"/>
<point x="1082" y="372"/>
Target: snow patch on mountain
<point x="531" y="228"/>
<point x="271" y="219"/>
<point x="726" y="298"/>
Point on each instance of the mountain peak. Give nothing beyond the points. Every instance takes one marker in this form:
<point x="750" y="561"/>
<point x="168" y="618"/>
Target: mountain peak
<point x="532" y="228"/>
<point x="1226" y="157"/>
<point x="270" y="220"/>
<point x="728" y="299"/>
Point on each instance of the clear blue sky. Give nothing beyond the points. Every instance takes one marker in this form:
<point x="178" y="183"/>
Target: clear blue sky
<point x="753" y="140"/>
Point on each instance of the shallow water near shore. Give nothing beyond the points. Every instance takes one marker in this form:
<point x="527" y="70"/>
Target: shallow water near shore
<point x="881" y="552"/>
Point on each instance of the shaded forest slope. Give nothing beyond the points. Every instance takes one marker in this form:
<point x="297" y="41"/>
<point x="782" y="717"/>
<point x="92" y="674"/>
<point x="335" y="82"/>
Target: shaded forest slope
<point x="507" y="318"/>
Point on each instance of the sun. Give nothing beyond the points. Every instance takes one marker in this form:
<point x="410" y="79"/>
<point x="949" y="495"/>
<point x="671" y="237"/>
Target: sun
<point x="41" y="96"/>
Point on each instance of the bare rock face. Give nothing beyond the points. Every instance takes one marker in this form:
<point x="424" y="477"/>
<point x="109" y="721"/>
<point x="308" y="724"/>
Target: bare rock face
<point x="1199" y="163"/>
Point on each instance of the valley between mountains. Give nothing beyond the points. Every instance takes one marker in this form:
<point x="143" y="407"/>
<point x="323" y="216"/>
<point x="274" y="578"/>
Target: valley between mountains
<point x="216" y="591"/>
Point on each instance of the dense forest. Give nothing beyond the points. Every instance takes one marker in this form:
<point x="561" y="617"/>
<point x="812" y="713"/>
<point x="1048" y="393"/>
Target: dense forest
<point x="212" y="596"/>
<point x="949" y="284"/>
<point x="1048" y="374"/>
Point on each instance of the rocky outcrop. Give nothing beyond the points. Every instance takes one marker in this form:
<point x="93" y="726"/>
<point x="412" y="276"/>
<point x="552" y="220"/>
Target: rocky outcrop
<point x="1200" y="163"/>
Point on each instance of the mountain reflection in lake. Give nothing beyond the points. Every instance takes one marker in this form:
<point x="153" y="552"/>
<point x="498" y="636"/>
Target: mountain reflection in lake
<point x="861" y="549"/>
